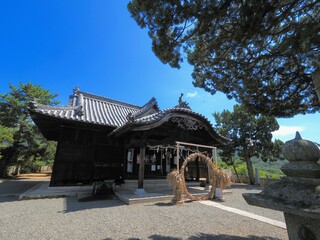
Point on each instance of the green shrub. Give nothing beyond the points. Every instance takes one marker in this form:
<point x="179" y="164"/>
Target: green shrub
<point x="29" y="167"/>
<point x="242" y="169"/>
<point x="223" y="165"/>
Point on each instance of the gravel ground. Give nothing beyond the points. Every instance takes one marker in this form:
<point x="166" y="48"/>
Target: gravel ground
<point x="66" y="218"/>
<point x="236" y="200"/>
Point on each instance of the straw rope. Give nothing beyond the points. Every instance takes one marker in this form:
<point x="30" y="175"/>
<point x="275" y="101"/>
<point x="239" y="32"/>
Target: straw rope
<point x="217" y="178"/>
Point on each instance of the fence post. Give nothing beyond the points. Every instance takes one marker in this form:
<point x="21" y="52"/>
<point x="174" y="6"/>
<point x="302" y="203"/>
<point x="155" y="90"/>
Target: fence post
<point x="258" y="177"/>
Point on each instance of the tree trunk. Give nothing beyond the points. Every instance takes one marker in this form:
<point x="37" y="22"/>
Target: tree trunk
<point x="250" y="169"/>
<point x="316" y="81"/>
<point x="3" y="171"/>
<point x="237" y="174"/>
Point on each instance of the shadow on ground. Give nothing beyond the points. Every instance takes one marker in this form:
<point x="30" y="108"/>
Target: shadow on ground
<point x="8" y="199"/>
<point x="11" y="188"/>
<point x="73" y="205"/>
<point x="204" y="236"/>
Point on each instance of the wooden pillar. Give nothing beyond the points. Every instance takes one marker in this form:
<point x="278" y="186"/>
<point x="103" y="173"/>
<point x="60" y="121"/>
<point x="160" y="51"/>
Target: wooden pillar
<point x="141" y="167"/>
<point x="161" y="161"/>
<point x="178" y="157"/>
<point x="168" y="162"/>
<point x="56" y="161"/>
<point x="198" y="167"/>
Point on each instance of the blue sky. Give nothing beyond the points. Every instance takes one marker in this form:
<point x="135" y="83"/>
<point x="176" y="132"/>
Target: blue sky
<point x="97" y="46"/>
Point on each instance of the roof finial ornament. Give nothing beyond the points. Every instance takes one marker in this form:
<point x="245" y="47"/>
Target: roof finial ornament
<point x="79" y="111"/>
<point x="33" y="103"/>
<point x="183" y="104"/>
<point x="76" y="90"/>
<point x="180" y="98"/>
<point x="130" y="117"/>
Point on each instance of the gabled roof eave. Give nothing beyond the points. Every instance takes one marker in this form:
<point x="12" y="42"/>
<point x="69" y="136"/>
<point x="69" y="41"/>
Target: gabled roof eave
<point x="161" y="117"/>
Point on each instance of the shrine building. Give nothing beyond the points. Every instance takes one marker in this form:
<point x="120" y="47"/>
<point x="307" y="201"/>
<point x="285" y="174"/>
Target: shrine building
<point x="104" y="139"/>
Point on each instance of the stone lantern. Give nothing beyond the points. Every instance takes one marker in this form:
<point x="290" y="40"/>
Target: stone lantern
<point x="298" y="194"/>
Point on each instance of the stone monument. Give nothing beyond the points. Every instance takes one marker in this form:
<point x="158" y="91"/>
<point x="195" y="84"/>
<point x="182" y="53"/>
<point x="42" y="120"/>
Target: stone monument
<point x="298" y="194"/>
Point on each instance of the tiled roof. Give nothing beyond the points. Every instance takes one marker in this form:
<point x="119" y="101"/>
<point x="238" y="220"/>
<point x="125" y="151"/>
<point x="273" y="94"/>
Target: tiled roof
<point x="93" y="109"/>
<point x="159" y="115"/>
<point x="145" y="120"/>
<point x="163" y="115"/>
<point x="89" y="108"/>
<point x="147" y="108"/>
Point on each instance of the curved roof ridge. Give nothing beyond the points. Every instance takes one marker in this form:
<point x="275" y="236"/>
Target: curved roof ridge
<point x="145" y="108"/>
<point x="155" y="117"/>
<point x="168" y="110"/>
<point x="105" y="99"/>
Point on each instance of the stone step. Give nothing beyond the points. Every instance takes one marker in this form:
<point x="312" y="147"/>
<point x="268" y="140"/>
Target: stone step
<point x="34" y="175"/>
<point x="146" y="183"/>
<point x="153" y="183"/>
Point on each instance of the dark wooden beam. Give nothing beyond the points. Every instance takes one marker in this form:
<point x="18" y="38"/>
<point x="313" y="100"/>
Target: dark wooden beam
<point x="141" y="167"/>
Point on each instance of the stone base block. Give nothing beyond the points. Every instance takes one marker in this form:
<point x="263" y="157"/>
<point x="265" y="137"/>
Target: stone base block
<point x="302" y="228"/>
<point x="140" y="192"/>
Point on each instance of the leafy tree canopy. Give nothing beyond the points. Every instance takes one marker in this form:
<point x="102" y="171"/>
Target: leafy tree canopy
<point x="6" y="138"/>
<point x="251" y="135"/>
<point x="14" y="104"/>
<point x="262" y="53"/>
<point x="27" y="143"/>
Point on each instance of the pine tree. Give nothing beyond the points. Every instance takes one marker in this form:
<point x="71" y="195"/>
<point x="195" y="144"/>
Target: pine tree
<point x="28" y="143"/>
<point x="251" y="135"/>
<point x="262" y="53"/>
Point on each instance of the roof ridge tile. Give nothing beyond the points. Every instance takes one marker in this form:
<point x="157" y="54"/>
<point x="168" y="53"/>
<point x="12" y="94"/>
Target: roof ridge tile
<point x="105" y="99"/>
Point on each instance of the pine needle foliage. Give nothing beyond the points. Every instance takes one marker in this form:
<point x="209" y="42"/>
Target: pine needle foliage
<point x="262" y="53"/>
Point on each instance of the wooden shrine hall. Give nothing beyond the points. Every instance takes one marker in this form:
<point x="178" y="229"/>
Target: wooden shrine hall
<point x="104" y="139"/>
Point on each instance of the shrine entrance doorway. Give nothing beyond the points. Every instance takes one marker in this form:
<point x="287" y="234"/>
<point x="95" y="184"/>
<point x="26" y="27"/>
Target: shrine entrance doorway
<point x="160" y="160"/>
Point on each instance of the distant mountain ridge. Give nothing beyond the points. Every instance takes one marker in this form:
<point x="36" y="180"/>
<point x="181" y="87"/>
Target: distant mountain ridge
<point x="269" y="167"/>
